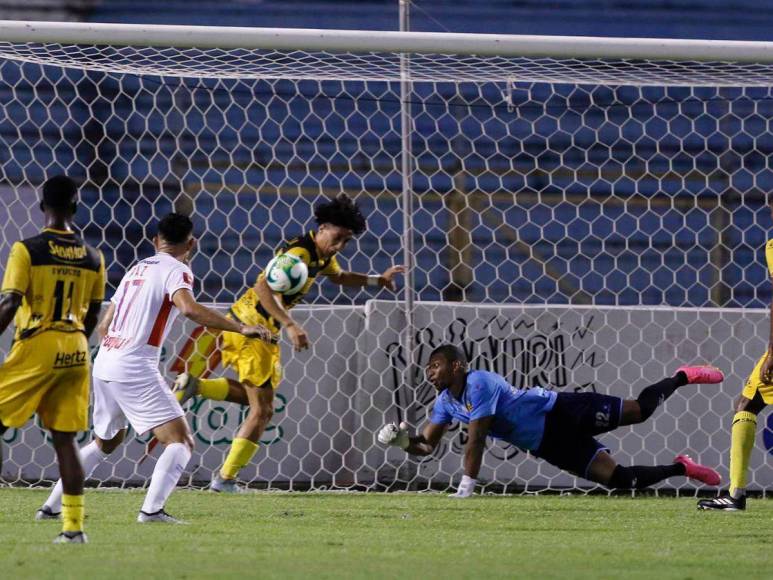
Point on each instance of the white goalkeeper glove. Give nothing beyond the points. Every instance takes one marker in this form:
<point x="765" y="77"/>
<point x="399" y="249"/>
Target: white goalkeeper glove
<point x="391" y="434"/>
<point x="466" y="487"/>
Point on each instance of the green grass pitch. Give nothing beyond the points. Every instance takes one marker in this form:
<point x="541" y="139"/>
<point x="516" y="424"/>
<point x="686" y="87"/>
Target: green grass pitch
<point x="399" y="535"/>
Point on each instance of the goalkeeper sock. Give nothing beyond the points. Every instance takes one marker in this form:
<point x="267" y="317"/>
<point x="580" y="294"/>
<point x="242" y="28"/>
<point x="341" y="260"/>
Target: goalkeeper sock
<point x="239" y="455"/>
<point x="741" y="443"/>
<point x="215" y="389"/>
<point x="166" y="474"/>
<point x="640" y="476"/>
<point x="72" y="513"/>
<point x="654" y="395"/>
<point x="91" y="456"/>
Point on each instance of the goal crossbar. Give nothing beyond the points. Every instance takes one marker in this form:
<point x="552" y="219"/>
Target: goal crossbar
<point x="531" y="46"/>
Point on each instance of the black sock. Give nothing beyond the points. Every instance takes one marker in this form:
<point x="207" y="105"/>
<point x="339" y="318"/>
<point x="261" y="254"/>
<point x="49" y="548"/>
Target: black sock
<point x="654" y="395"/>
<point x="641" y="476"/>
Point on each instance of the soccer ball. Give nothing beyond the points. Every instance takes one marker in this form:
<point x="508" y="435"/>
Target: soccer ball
<point x="287" y="274"/>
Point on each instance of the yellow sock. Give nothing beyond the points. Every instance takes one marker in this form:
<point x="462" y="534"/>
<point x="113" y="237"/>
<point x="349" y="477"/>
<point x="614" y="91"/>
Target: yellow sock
<point x="215" y="389"/>
<point x="239" y="455"/>
<point x="72" y="513"/>
<point x="741" y="443"/>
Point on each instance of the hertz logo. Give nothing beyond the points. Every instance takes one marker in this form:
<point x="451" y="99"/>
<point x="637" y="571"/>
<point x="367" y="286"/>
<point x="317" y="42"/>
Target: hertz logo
<point x="64" y="360"/>
<point x="67" y="252"/>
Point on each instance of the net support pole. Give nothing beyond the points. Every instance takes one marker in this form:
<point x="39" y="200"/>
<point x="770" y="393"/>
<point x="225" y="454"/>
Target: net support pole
<point x="406" y="168"/>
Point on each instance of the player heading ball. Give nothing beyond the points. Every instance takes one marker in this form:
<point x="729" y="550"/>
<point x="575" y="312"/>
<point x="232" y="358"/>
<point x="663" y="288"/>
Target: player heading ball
<point x="257" y="363"/>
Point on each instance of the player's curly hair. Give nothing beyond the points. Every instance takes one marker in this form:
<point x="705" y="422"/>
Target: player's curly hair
<point x="341" y="211"/>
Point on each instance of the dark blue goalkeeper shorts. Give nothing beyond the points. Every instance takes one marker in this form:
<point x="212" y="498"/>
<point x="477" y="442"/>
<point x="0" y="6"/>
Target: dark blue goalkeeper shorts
<point x="568" y="441"/>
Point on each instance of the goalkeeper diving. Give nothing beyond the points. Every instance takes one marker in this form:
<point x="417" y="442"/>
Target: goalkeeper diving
<point x="557" y="427"/>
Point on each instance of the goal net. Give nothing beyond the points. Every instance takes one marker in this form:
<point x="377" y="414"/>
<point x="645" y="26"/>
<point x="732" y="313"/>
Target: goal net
<point x="578" y="214"/>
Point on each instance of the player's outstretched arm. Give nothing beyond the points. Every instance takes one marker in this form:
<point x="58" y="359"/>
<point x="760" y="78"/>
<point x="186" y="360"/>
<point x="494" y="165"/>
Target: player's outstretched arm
<point x="272" y="303"/>
<point x="200" y="314"/>
<point x="385" y="280"/>
<point x="9" y="304"/>
<point x="477" y="431"/>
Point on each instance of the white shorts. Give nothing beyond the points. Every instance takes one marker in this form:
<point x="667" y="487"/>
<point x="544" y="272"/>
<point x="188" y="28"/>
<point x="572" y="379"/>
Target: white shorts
<point x="145" y="405"/>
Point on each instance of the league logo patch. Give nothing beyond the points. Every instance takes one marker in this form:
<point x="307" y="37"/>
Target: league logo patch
<point x="469" y="406"/>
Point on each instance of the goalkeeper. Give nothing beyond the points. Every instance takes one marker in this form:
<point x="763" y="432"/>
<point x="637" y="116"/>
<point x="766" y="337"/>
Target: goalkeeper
<point x="557" y="427"/>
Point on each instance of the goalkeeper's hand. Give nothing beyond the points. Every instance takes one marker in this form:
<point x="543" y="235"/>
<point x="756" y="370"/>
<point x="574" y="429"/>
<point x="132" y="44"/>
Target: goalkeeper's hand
<point x="466" y="487"/>
<point x="391" y="434"/>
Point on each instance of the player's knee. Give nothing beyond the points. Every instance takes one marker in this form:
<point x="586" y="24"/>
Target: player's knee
<point x="179" y="437"/>
<point x="107" y="446"/>
<point x="265" y="414"/>
<point x="62" y="438"/>
<point x="755" y="405"/>
<point x="622" y="478"/>
<point x="188" y="442"/>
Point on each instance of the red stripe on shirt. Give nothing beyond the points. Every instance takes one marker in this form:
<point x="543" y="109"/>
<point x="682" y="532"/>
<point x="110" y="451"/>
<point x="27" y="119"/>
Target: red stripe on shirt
<point x="158" y="326"/>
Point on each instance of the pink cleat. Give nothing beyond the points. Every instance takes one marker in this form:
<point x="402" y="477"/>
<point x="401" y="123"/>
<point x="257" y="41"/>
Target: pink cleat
<point x="696" y="471"/>
<point x="702" y="374"/>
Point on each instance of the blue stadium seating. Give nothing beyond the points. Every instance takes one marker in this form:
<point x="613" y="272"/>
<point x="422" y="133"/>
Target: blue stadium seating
<point x="557" y="142"/>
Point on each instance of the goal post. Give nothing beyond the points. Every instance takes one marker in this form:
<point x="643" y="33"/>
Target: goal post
<point x="582" y="214"/>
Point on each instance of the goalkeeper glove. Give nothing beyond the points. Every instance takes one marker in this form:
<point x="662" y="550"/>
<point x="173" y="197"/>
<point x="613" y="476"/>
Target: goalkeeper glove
<point x="391" y="434"/>
<point x="466" y="487"/>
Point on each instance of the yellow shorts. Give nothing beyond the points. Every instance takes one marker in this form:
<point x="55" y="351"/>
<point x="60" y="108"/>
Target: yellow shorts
<point x="754" y="385"/>
<point x="47" y="373"/>
<point x="252" y="359"/>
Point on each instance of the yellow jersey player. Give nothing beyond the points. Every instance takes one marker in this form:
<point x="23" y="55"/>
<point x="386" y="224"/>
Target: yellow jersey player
<point x="257" y="363"/>
<point x="756" y="394"/>
<point x="53" y="289"/>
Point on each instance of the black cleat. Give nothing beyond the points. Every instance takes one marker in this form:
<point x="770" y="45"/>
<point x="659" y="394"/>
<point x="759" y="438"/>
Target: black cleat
<point x="723" y="503"/>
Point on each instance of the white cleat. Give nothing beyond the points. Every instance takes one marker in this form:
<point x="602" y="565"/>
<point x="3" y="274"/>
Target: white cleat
<point x="185" y="387"/>
<point x="45" y="513"/>
<point x="71" y="538"/>
<point x="160" y="517"/>
<point x="221" y="485"/>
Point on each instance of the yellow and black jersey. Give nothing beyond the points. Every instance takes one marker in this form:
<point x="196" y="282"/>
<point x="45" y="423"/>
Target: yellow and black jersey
<point x="769" y="256"/>
<point x="58" y="276"/>
<point x="303" y="247"/>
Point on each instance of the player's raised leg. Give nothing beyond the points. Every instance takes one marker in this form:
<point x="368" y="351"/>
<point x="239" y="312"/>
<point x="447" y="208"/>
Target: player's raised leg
<point x="640" y="409"/>
<point x="178" y="442"/>
<point x="187" y="386"/>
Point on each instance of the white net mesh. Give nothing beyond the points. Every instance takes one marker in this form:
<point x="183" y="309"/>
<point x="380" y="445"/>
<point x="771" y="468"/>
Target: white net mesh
<point x="556" y="203"/>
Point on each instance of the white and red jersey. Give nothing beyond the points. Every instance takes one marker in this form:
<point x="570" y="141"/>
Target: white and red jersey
<point x="144" y="313"/>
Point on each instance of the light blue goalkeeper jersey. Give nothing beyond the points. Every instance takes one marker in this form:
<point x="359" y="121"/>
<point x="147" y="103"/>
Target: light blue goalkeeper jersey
<point x="519" y="414"/>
